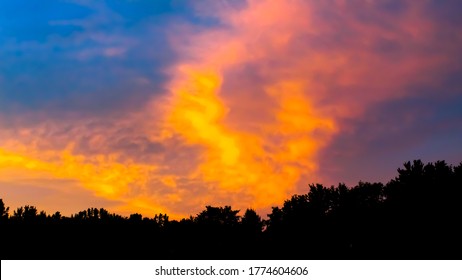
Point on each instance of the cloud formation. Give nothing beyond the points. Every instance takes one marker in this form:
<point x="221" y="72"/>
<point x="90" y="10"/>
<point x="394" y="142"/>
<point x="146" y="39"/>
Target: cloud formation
<point x="257" y="100"/>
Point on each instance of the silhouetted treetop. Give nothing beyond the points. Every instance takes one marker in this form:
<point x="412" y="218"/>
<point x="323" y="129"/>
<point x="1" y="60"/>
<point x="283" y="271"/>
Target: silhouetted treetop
<point x="222" y="216"/>
<point x="3" y="211"/>
<point x="417" y="214"/>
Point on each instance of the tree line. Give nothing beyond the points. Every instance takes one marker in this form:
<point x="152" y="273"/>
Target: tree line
<point x="416" y="215"/>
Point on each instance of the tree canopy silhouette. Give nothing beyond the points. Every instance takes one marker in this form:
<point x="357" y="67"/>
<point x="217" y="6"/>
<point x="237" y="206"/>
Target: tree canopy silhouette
<point x="415" y="215"/>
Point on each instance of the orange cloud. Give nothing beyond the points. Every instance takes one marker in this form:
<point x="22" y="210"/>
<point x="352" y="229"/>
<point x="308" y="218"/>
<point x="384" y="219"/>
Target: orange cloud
<point x="304" y="83"/>
<point x="101" y="174"/>
<point x="249" y="106"/>
<point x="254" y="165"/>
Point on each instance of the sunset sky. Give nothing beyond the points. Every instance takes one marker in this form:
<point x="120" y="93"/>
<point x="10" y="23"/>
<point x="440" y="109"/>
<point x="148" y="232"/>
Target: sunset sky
<point x="167" y="106"/>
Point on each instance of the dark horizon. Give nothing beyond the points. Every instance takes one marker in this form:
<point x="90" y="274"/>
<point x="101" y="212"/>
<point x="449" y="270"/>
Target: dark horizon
<point x="167" y="106"/>
<point x="414" y="216"/>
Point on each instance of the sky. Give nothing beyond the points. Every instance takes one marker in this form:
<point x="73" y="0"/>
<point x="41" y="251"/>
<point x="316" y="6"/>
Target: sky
<point x="143" y="106"/>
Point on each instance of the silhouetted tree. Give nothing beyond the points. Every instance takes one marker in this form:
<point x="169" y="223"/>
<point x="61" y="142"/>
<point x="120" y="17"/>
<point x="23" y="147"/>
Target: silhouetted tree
<point x="275" y="219"/>
<point x="218" y="216"/>
<point x="18" y="213"/>
<point x="56" y="216"/>
<point x="415" y="215"/>
<point x="3" y="211"/>
<point x="252" y="222"/>
<point x="161" y="219"/>
<point x="319" y="198"/>
<point x="137" y="218"/>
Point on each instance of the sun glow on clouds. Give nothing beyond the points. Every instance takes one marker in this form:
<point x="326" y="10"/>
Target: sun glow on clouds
<point x="102" y="174"/>
<point x="249" y="105"/>
<point x="260" y="164"/>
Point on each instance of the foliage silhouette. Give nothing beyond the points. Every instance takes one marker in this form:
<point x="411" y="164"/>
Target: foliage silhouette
<point x="416" y="215"/>
<point x="3" y="211"/>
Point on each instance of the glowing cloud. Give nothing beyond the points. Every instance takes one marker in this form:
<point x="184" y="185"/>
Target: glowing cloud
<point x="300" y="91"/>
<point x="249" y="105"/>
<point x="258" y="164"/>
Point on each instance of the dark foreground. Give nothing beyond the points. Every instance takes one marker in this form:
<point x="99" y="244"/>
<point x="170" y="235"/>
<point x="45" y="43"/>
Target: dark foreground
<point x="417" y="215"/>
